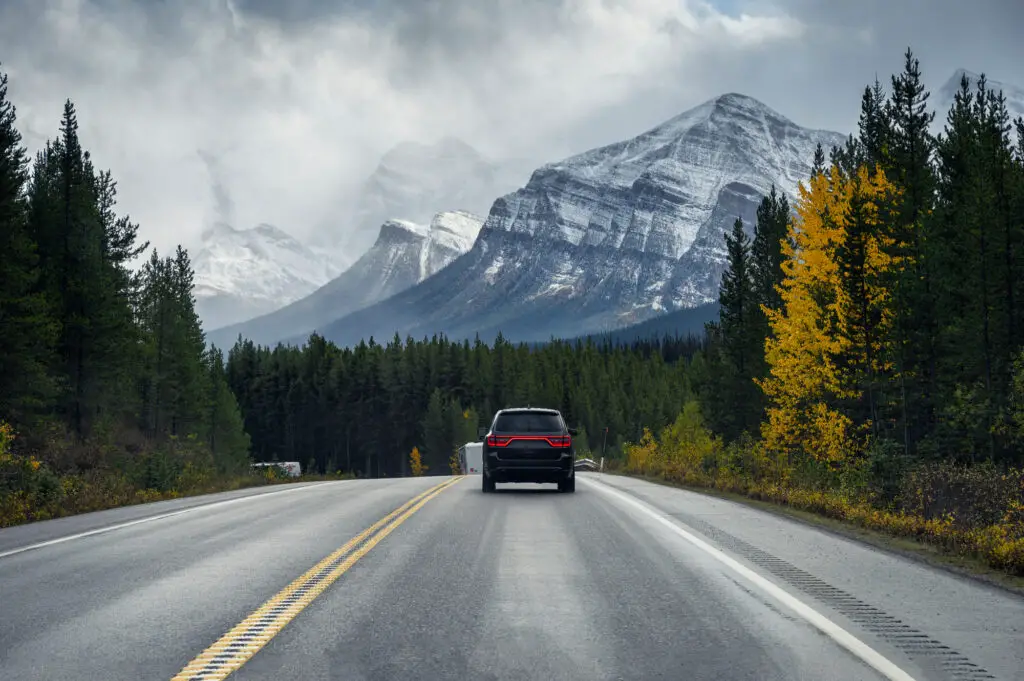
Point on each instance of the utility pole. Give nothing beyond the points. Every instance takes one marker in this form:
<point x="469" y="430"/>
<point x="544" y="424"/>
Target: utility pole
<point x="604" y="443"/>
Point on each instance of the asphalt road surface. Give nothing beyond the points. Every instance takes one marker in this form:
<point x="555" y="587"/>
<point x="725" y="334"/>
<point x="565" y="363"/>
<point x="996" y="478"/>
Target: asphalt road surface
<point x="428" y="578"/>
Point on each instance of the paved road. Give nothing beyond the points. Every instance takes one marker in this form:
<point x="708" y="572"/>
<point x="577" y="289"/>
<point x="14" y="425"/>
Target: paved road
<point x="621" y="580"/>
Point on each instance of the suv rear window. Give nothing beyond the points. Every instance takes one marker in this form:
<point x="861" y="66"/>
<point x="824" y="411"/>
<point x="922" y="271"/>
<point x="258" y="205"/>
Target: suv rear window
<point x="528" y="422"/>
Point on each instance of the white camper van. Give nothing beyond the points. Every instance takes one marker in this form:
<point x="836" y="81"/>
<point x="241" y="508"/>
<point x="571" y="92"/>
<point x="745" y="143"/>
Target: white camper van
<point x="471" y="457"/>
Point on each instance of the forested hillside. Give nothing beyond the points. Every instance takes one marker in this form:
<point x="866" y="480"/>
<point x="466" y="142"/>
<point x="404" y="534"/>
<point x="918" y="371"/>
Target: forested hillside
<point x="364" y="409"/>
<point x="869" y="357"/>
<point x="107" y="392"/>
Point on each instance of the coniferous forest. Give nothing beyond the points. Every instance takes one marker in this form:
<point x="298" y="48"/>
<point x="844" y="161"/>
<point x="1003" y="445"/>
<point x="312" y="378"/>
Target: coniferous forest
<point x="868" y="362"/>
<point x="108" y="393"/>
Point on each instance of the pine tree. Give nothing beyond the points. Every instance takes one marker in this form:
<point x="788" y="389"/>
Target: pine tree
<point x="818" y="164"/>
<point x="437" y="437"/>
<point x="874" y="127"/>
<point x="773" y="218"/>
<point x="737" y="298"/>
<point x="27" y="331"/>
<point x="909" y="165"/>
<point x="225" y="430"/>
<point x="862" y="305"/>
<point x="737" y="338"/>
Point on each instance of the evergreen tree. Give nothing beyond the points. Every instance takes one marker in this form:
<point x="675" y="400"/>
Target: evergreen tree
<point x="736" y="341"/>
<point x="225" y="430"/>
<point x="773" y="218"/>
<point x="818" y="164"/>
<point x="911" y="146"/>
<point x="27" y="331"/>
<point x="437" y="435"/>
<point x="874" y="127"/>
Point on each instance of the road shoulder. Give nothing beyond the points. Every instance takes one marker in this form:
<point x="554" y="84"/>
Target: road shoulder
<point x="927" y="554"/>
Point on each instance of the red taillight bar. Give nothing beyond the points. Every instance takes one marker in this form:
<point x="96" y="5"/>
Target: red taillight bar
<point x="553" y="440"/>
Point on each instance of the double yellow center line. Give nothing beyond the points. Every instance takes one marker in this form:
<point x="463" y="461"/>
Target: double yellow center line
<point x="235" y="648"/>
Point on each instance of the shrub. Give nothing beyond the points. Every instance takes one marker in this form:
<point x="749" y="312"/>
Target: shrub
<point x="969" y="510"/>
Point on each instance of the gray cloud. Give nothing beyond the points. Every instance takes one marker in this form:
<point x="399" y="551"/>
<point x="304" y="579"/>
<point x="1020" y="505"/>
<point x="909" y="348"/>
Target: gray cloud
<point x="223" y="205"/>
<point x="297" y="100"/>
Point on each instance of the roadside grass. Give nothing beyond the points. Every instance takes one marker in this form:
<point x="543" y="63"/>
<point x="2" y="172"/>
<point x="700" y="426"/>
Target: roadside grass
<point x="971" y="517"/>
<point x="33" y="488"/>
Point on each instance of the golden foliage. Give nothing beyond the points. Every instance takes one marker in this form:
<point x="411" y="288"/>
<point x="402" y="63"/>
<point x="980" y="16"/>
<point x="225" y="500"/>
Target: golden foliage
<point x="416" y="462"/>
<point x="817" y="322"/>
<point x="640" y="458"/>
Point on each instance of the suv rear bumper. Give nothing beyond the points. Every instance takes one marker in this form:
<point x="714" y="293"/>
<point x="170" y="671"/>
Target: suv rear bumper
<point x="528" y="470"/>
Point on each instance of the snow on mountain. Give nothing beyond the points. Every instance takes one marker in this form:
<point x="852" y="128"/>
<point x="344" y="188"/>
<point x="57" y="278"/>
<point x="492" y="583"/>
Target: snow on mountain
<point x="942" y="100"/>
<point x="416" y="180"/>
<point x="404" y="254"/>
<point x="609" y="237"/>
<point x="240" y="274"/>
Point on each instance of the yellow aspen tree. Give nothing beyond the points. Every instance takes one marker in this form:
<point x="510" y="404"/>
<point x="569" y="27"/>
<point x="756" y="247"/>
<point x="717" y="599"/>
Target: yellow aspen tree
<point x="813" y="336"/>
<point x="416" y="462"/>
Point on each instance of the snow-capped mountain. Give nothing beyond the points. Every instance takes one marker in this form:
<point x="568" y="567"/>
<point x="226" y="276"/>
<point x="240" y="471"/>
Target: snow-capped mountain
<point x="416" y="180"/>
<point x="942" y="100"/>
<point x="242" y="273"/>
<point x="610" y="237"/>
<point x="404" y="254"/>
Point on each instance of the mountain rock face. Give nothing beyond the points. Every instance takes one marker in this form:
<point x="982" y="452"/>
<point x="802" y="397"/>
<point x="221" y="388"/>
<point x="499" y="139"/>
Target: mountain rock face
<point x="416" y="180"/>
<point x="404" y="254"/>
<point x="942" y="100"/>
<point x="240" y="274"/>
<point x="610" y="237"/>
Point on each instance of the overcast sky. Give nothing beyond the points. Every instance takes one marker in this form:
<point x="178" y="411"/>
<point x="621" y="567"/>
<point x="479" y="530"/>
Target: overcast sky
<point x="269" y="110"/>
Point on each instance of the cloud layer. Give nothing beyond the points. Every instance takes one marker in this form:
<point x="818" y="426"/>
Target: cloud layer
<point x="260" y="111"/>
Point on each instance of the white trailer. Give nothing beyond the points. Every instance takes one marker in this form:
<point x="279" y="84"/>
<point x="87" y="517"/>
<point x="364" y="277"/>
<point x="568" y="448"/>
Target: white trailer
<point x="290" y="468"/>
<point x="471" y="458"/>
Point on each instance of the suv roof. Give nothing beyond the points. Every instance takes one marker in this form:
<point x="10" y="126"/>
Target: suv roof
<point x="540" y="410"/>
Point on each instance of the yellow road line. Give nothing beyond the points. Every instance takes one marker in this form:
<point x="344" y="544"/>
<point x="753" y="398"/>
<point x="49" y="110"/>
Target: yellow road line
<point x="235" y="648"/>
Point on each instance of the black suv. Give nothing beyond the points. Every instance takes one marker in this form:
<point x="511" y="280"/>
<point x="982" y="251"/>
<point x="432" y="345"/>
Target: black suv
<point x="528" y="445"/>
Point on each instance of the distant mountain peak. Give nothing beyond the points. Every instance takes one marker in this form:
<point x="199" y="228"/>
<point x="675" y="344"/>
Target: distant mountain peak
<point x="410" y="154"/>
<point x="241" y="273"/>
<point x="952" y="85"/>
<point x="944" y="97"/>
<point x="401" y="230"/>
<point x="459" y="222"/>
<point x="273" y="232"/>
<point x="217" y="230"/>
<point x="738" y="99"/>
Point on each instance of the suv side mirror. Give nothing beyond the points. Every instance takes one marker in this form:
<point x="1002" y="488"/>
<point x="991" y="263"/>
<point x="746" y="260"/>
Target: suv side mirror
<point x="574" y="431"/>
<point x="481" y="432"/>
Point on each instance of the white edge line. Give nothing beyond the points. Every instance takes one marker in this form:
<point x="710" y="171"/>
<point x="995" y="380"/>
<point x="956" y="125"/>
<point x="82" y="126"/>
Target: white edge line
<point x="171" y="514"/>
<point x="866" y="653"/>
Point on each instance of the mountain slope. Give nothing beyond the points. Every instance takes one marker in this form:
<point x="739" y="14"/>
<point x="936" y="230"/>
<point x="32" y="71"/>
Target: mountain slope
<point x="610" y="237"/>
<point x="943" y="98"/>
<point x="404" y="254"/>
<point x="240" y="274"/>
<point x="681" y="323"/>
<point x="416" y="180"/>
